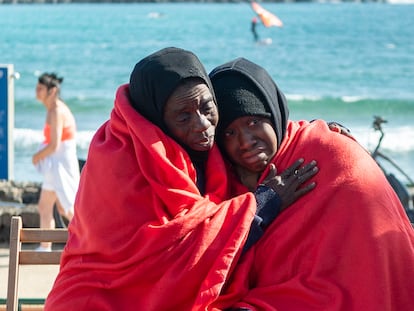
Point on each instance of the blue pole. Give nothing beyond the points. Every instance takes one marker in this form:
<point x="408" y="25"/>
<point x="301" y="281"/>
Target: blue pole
<point x="6" y="121"/>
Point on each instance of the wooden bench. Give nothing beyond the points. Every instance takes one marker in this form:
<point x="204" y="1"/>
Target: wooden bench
<point x="18" y="256"/>
<point x="19" y="236"/>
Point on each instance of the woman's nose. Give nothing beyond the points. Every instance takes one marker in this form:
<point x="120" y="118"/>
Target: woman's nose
<point x="246" y="140"/>
<point x="201" y="122"/>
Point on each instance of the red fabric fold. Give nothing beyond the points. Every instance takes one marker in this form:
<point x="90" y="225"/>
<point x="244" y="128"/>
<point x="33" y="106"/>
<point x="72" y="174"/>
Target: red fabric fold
<point x="347" y="245"/>
<point x="143" y="237"/>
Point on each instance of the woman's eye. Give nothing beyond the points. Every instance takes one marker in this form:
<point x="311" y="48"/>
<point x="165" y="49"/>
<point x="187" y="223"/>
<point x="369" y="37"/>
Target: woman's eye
<point x="208" y="108"/>
<point x="228" y="133"/>
<point x="183" y="117"/>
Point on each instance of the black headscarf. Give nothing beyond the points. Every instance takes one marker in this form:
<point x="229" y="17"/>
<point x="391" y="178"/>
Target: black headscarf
<point x="156" y="76"/>
<point x="152" y="82"/>
<point x="244" y="88"/>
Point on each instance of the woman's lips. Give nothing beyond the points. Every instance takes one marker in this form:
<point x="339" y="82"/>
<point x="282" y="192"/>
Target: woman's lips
<point x="253" y="156"/>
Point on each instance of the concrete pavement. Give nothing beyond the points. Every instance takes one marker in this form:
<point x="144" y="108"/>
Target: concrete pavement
<point x="34" y="281"/>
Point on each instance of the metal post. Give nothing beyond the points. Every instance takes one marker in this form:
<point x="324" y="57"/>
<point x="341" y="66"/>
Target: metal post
<point x="7" y="76"/>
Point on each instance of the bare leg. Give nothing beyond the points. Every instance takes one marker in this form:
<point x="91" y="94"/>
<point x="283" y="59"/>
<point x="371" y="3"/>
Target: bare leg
<point x="47" y="221"/>
<point x="67" y="214"/>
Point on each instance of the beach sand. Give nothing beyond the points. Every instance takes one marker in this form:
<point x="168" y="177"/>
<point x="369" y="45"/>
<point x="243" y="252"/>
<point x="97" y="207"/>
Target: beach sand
<point x="34" y="281"/>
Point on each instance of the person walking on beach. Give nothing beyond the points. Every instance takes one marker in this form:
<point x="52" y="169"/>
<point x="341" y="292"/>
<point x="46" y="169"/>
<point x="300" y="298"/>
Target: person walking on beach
<point x="56" y="158"/>
<point x="253" y="29"/>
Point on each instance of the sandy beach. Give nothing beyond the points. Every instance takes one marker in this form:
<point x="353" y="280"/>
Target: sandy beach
<point x="34" y="281"/>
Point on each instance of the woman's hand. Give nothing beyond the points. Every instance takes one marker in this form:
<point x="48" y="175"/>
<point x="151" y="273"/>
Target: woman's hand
<point x="288" y="185"/>
<point x="35" y="158"/>
<point x="339" y="128"/>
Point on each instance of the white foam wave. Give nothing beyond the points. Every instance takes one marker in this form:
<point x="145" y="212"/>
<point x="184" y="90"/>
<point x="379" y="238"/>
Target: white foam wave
<point x="30" y="139"/>
<point x="301" y="97"/>
<point x="406" y="2"/>
<point x="352" y="99"/>
<point x="398" y="143"/>
<point x="84" y="139"/>
<point x="344" y="98"/>
<point x="396" y="139"/>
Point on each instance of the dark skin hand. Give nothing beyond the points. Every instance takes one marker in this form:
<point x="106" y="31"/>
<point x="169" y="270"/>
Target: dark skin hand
<point x="289" y="184"/>
<point x="339" y="128"/>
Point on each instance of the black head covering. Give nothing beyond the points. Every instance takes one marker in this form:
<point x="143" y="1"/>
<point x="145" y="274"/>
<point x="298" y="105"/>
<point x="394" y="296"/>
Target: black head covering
<point x="156" y="76"/>
<point x="244" y="88"/>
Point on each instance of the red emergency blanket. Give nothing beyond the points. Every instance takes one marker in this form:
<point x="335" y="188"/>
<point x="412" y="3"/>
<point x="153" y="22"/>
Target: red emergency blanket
<point x="346" y="246"/>
<point x="143" y="238"/>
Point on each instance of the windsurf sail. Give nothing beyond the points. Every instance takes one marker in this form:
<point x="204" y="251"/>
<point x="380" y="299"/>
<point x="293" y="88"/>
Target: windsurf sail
<point x="268" y="19"/>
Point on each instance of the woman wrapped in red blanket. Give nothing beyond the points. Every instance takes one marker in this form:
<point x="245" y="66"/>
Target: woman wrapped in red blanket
<point x="154" y="225"/>
<point x="347" y="246"/>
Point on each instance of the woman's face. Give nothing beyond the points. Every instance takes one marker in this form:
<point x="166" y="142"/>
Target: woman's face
<point x="191" y="116"/>
<point x="250" y="142"/>
<point x="43" y="93"/>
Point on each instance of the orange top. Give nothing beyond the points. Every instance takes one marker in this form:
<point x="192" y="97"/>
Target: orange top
<point x="67" y="133"/>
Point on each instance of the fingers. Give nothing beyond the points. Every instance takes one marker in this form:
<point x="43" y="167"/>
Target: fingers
<point x="292" y="178"/>
<point x="291" y="169"/>
<point x="304" y="173"/>
<point x="272" y="170"/>
<point x="305" y="189"/>
<point x="339" y="128"/>
<point x="309" y="166"/>
<point x="334" y="127"/>
<point x="271" y="174"/>
<point x="298" y="183"/>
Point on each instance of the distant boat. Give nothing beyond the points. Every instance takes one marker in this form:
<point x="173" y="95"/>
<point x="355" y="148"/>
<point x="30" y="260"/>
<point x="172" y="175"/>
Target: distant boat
<point x="267" y="18"/>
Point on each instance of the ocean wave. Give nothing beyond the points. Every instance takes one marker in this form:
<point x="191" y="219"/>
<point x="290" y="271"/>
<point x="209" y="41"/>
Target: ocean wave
<point x="301" y="97"/>
<point x="398" y="144"/>
<point x="292" y="97"/>
<point x="352" y="99"/>
<point x="29" y="139"/>
<point x="396" y="140"/>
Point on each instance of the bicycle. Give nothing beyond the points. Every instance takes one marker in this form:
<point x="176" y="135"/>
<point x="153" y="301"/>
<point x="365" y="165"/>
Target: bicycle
<point x="403" y="191"/>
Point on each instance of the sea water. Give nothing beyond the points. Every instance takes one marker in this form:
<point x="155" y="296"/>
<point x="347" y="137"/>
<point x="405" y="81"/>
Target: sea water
<point x="343" y="62"/>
